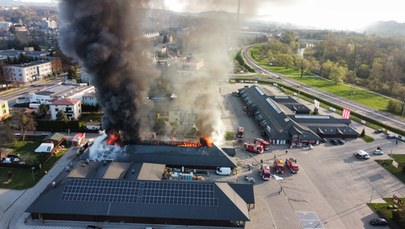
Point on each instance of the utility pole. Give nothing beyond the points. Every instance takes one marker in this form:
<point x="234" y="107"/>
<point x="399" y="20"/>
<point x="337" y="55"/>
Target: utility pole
<point x="238" y="11"/>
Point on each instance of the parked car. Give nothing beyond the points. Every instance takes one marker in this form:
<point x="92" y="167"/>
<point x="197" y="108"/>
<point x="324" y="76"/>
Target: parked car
<point x="361" y="154"/>
<point x="380" y="130"/>
<point x="391" y="135"/>
<point x="379" y="222"/>
<point x="378" y="151"/>
<point x="400" y="137"/>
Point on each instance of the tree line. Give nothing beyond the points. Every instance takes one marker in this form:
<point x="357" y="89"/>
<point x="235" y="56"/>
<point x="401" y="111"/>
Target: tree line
<point x="370" y="61"/>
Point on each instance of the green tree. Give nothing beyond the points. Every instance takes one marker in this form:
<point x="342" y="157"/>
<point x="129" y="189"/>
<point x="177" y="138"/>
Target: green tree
<point x="301" y="63"/>
<point x="61" y="116"/>
<point x="43" y="110"/>
<point x="285" y="59"/>
<point x="25" y="122"/>
<point x="338" y="74"/>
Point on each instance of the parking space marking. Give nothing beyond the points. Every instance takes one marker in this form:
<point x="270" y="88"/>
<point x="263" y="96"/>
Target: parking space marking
<point x="309" y="220"/>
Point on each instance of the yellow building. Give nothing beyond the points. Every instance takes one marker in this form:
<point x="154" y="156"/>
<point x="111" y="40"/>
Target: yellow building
<point x="4" y="111"/>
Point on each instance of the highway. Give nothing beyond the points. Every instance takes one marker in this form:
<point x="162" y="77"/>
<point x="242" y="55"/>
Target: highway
<point x="384" y="117"/>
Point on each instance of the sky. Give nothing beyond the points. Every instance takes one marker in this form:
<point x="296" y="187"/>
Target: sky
<point x="323" y="14"/>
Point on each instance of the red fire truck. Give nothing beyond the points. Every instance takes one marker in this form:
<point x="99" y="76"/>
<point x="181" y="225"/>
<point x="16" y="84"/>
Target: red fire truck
<point x="265" y="144"/>
<point x="240" y="132"/>
<point x="292" y="165"/>
<point x="265" y="172"/>
<point x="279" y="166"/>
<point x="254" y="148"/>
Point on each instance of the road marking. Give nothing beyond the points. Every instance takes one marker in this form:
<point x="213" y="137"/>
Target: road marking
<point x="268" y="209"/>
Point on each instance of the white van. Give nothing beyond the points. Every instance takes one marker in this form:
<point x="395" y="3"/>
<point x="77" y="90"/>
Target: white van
<point x="225" y="171"/>
<point x="361" y="154"/>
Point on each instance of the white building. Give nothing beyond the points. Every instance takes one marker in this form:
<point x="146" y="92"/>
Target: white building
<point x="71" y="107"/>
<point x="90" y="99"/>
<point x="48" y="95"/>
<point x="4" y="111"/>
<point x="28" y="72"/>
<point x="49" y="24"/>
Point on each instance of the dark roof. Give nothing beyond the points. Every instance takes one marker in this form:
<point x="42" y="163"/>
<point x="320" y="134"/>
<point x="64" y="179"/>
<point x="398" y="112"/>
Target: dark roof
<point x="177" y="155"/>
<point x="291" y="104"/>
<point x="245" y="191"/>
<point x="137" y="198"/>
<point x="271" y="117"/>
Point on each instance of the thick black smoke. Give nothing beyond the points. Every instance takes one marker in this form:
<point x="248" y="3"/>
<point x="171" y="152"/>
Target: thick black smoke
<point x="105" y="37"/>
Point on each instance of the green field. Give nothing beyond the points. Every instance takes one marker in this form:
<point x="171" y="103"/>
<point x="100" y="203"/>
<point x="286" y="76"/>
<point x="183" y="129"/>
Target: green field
<point x="354" y="93"/>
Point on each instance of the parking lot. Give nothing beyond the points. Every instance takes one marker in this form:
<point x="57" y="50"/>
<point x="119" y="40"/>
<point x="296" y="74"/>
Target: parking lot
<point x="332" y="187"/>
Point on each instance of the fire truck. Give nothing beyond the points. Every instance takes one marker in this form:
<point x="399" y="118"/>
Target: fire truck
<point x="254" y="148"/>
<point x="265" y="144"/>
<point x="279" y="166"/>
<point x="240" y="132"/>
<point x="265" y="172"/>
<point x="292" y="164"/>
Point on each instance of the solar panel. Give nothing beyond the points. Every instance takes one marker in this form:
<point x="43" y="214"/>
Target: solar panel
<point x="147" y="192"/>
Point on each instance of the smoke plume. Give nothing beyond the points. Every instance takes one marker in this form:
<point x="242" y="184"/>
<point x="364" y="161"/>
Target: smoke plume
<point x="106" y="38"/>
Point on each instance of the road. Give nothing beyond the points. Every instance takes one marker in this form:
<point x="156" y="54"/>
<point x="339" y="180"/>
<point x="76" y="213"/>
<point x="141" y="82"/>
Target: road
<point x="12" y="94"/>
<point x="386" y="118"/>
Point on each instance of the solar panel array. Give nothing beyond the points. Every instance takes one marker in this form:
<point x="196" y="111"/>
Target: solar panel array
<point x="142" y="192"/>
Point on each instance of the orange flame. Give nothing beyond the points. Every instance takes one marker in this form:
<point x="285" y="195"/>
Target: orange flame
<point x="207" y="140"/>
<point x="113" y="139"/>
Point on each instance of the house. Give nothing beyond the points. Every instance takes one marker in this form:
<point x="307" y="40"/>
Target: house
<point x="71" y="107"/>
<point x="4" y="111"/>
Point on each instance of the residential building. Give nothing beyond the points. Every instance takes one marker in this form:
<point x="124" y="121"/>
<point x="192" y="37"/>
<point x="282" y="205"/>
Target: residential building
<point x="90" y="99"/>
<point x="28" y="72"/>
<point x="4" y="111"/>
<point x="49" y="24"/>
<point x="71" y="107"/>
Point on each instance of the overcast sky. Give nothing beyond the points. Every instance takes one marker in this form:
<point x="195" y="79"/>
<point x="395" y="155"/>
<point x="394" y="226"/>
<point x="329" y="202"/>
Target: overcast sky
<point x="330" y="14"/>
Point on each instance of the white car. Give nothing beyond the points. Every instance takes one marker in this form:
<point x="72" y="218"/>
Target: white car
<point x="399" y="137"/>
<point x="378" y="151"/>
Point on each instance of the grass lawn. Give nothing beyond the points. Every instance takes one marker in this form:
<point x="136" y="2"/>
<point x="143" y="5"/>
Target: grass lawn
<point x="384" y="211"/>
<point x="92" y="117"/>
<point x="22" y="178"/>
<point x="357" y="94"/>
<point x="387" y="164"/>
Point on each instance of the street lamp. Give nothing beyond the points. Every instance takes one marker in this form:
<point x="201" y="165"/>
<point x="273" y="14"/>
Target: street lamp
<point x="372" y="192"/>
<point x="33" y="175"/>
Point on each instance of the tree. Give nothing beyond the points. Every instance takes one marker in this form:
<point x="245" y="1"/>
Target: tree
<point x="6" y="135"/>
<point x="285" y="59"/>
<point x="301" y="64"/>
<point x="25" y="122"/>
<point x="61" y="116"/>
<point x="338" y="74"/>
<point x="43" y="110"/>
<point x="72" y="73"/>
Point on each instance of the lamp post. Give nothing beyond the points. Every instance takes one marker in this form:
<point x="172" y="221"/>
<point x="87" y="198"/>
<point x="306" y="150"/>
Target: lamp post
<point x="372" y="192"/>
<point x="33" y="175"/>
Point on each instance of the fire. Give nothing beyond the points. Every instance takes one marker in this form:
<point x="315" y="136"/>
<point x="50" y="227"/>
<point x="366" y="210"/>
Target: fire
<point x="114" y="138"/>
<point x="206" y="140"/>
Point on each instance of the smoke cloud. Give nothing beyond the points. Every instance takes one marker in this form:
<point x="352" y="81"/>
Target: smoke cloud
<point x="106" y="38"/>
